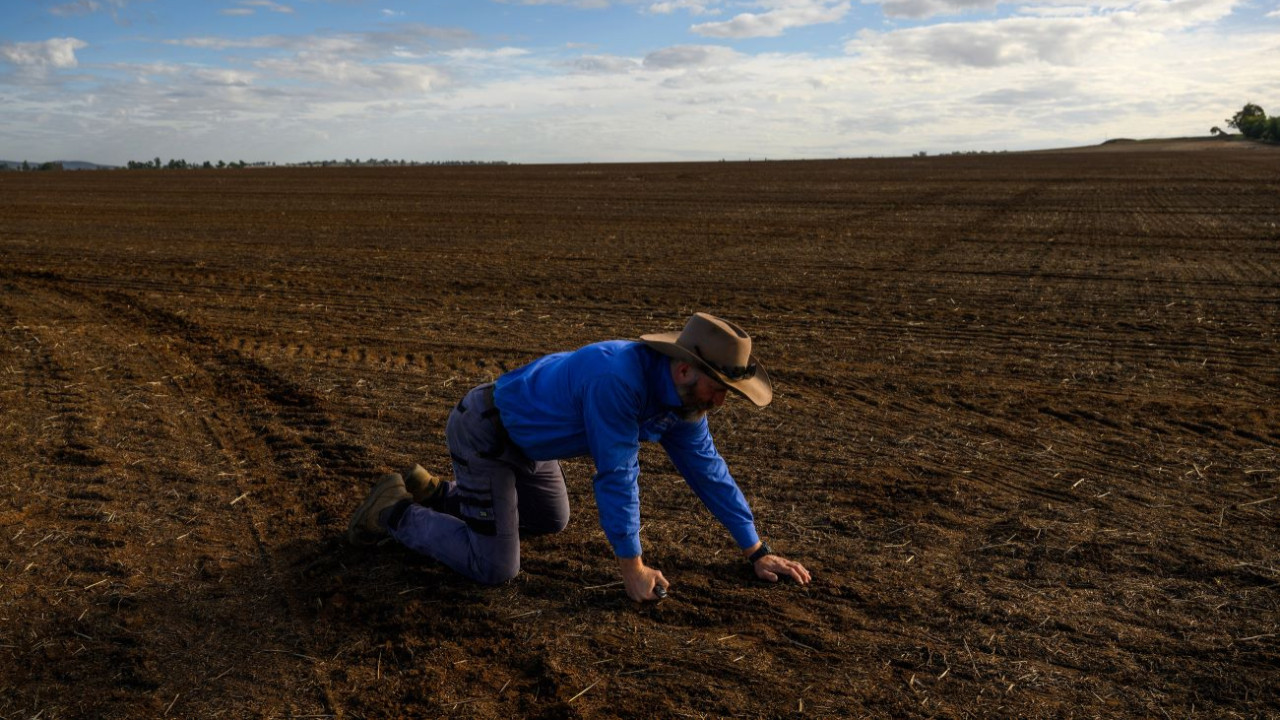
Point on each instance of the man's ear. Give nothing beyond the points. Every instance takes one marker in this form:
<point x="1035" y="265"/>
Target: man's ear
<point x="682" y="372"/>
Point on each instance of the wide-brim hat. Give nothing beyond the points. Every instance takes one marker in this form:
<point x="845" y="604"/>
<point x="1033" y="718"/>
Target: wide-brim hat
<point x="720" y="349"/>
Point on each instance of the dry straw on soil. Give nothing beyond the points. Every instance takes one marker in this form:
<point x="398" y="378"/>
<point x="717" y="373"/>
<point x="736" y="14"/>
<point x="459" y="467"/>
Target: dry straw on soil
<point x="1024" y="437"/>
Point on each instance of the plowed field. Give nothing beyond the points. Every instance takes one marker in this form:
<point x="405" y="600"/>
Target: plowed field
<point x="1025" y="436"/>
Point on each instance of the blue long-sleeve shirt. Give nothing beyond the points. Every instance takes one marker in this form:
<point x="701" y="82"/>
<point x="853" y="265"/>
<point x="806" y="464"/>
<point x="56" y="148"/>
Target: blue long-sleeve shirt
<point x="603" y="400"/>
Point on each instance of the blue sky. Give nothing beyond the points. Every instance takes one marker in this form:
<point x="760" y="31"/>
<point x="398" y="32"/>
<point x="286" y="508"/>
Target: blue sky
<point x="618" y="80"/>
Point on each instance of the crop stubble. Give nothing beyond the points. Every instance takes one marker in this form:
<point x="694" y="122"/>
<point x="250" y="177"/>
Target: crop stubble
<point x="1024" y="436"/>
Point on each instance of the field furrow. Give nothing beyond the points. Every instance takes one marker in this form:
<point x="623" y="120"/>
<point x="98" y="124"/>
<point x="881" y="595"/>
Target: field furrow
<point x="1023" y="434"/>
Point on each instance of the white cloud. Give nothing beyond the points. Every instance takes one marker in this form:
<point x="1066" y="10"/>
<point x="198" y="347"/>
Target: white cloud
<point x="585" y="4"/>
<point x="268" y="5"/>
<point x="1100" y="37"/>
<point x="411" y="38"/>
<point x="476" y="54"/>
<point x="52" y="53"/>
<point x="1188" y="10"/>
<point x="83" y="7"/>
<point x="1059" y="72"/>
<point x="660" y="7"/>
<point x="604" y="65"/>
<point x="226" y="78"/>
<point x="355" y="78"/>
<point x="683" y="57"/>
<point x="930" y="8"/>
<point x="143" y="70"/>
<point x="1041" y="93"/>
<point x="1013" y="41"/>
<point x="220" y="43"/>
<point x="1170" y="15"/>
<point x="693" y="7"/>
<point x="88" y="7"/>
<point x="251" y="7"/>
<point x="322" y="70"/>
<point x="781" y="16"/>
<point x="1051" y="11"/>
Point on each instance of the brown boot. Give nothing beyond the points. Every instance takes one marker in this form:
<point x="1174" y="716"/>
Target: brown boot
<point x="364" y="528"/>
<point x="423" y="486"/>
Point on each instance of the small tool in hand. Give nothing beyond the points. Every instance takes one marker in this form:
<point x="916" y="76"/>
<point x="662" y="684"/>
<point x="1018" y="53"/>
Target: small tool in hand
<point x="660" y="591"/>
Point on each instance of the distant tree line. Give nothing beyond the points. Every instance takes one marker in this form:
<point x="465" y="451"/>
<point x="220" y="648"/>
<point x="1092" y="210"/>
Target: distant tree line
<point x="1252" y="122"/>
<point x="179" y="164"/>
<point x="374" y="162"/>
<point x="28" y="167"/>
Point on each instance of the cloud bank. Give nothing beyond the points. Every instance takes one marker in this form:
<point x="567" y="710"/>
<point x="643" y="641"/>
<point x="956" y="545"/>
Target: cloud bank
<point x="1043" y="74"/>
<point x="52" y="53"/>
<point x="776" y="19"/>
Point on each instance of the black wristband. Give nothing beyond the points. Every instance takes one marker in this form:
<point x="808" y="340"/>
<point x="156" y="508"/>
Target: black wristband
<point x="760" y="552"/>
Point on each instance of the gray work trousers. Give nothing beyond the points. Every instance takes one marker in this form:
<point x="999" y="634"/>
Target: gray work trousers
<point x="498" y="494"/>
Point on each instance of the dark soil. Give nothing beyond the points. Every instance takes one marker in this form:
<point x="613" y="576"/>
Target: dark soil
<point x="1025" y="436"/>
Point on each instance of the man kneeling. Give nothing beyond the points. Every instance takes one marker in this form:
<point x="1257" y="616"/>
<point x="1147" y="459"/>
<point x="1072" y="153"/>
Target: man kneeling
<point x="506" y="439"/>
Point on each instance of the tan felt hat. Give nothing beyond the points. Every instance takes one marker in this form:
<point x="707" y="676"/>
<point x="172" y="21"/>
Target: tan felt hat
<point x="720" y="349"/>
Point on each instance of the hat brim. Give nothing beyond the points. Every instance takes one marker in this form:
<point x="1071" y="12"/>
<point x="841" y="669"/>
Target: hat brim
<point x="757" y="388"/>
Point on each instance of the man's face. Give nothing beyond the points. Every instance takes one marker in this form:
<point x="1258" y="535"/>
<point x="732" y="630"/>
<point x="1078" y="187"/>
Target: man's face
<point x="699" y="395"/>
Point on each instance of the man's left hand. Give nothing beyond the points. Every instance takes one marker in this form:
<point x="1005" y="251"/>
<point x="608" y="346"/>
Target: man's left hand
<point x="771" y="567"/>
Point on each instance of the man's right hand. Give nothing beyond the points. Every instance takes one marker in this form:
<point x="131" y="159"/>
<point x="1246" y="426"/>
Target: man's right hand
<point x="641" y="580"/>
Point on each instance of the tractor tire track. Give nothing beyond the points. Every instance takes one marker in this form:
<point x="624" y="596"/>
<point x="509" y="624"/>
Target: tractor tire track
<point x="281" y="451"/>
